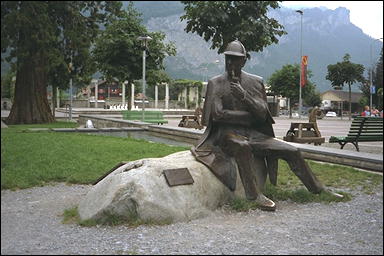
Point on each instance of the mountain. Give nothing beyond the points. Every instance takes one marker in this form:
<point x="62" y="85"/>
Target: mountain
<point x="327" y="36"/>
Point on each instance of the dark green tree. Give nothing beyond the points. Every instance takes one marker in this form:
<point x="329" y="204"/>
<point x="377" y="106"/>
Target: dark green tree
<point x="8" y="85"/>
<point x="119" y="54"/>
<point x="223" y="21"/>
<point x="343" y="73"/>
<point x="177" y="86"/>
<point x="312" y="96"/>
<point x="365" y="89"/>
<point x="283" y="82"/>
<point x="43" y="38"/>
<point x="156" y="77"/>
<point x="377" y="79"/>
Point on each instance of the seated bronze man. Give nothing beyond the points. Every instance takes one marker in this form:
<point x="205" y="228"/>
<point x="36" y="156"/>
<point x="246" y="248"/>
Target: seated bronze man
<point x="239" y="132"/>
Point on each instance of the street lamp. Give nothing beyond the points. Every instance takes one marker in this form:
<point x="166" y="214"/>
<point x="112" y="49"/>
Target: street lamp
<point x="371" y="76"/>
<point x="144" y="40"/>
<point x="301" y="56"/>
<point x="70" y="67"/>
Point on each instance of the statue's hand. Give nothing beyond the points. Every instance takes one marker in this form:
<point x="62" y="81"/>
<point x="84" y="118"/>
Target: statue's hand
<point x="237" y="90"/>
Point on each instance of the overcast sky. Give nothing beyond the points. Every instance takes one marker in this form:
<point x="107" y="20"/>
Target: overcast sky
<point x="367" y="15"/>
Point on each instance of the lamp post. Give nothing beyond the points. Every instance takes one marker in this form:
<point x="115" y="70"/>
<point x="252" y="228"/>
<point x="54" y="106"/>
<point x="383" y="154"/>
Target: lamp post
<point x="371" y="76"/>
<point x="70" y="89"/>
<point x="144" y="40"/>
<point x="301" y="56"/>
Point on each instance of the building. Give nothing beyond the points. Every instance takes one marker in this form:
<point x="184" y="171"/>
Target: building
<point x="337" y="100"/>
<point x="106" y="91"/>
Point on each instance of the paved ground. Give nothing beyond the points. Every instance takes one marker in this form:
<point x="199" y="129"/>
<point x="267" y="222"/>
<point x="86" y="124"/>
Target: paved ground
<point x="31" y="224"/>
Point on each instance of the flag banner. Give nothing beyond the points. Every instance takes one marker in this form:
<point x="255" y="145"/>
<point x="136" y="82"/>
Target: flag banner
<point x="304" y="63"/>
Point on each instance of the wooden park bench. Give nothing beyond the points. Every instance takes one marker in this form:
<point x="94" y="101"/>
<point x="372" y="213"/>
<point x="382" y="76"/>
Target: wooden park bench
<point x="306" y="132"/>
<point x="192" y="121"/>
<point x="155" y="117"/>
<point x="362" y="129"/>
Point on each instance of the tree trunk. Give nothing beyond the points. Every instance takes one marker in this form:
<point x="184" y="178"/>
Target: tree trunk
<point x="30" y="105"/>
<point x="350" y="102"/>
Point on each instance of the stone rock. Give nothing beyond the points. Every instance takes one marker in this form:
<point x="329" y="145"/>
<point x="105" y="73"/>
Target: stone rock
<point x="3" y="125"/>
<point x="140" y="188"/>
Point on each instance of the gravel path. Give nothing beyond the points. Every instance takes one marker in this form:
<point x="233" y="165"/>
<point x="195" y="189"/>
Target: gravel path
<point x="31" y="224"/>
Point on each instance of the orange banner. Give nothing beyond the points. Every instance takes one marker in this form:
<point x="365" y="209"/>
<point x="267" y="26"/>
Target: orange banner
<point x="304" y="64"/>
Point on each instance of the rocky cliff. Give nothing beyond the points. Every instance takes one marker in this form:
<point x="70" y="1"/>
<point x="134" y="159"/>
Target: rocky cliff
<point x="327" y="36"/>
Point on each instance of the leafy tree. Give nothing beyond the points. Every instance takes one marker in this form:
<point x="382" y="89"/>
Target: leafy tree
<point x="156" y="77"/>
<point x="118" y="53"/>
<point x="284" y="82"/>
<point x="365" y="89"/>
<point x="223" y="21"/>
<point x="312" y="96"/>
<point x="377" y="78"/>
<point x="345" y="72"/>
<point x="43" y="38"/>
<point x="7" y="85"/>
<point x="177" y="86"/>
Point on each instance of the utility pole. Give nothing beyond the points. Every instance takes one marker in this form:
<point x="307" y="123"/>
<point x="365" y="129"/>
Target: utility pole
<point x="70" y="90"/>
<point x="144" y="40"/>
<point x="371" y="76"/>
<point x="301" y="56"/>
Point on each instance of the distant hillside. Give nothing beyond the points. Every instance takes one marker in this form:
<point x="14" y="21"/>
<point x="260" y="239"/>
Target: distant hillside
<point x="151" y="9"/>
<point x="327" y="36"/>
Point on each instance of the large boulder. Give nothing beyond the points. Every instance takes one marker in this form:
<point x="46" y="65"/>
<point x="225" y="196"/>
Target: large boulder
<point x="139" y="188"/>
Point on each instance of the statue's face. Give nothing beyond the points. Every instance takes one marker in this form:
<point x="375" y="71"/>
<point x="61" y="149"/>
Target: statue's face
<point x="234" y="64"/>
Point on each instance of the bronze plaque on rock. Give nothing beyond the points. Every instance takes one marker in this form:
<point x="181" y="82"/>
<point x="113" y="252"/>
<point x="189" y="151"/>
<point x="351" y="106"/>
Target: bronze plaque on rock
<point x="179" y="176"/>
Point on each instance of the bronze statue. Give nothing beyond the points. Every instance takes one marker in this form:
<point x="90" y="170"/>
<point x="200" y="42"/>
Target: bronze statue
<point x="239" y="132"/>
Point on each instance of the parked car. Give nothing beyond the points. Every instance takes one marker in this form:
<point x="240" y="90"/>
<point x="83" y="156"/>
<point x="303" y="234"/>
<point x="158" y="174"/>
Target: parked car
<point x="331" y="114"/>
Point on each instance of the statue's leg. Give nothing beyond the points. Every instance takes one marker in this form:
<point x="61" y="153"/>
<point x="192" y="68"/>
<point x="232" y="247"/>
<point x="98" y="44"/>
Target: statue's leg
<point x="253" y="172"/>
<point x="280" y="149"/>
<point x="260" y="169"/>
<point x="247" y="166"/>
<point x="272" y="167"/>
<point x="302" y="170"/>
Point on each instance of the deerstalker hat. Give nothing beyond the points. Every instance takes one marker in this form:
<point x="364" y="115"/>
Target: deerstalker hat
<point x="235" y="48"/>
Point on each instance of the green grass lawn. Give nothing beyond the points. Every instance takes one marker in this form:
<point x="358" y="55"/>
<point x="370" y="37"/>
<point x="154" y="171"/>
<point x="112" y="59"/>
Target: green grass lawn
<point x="36" y="158"/>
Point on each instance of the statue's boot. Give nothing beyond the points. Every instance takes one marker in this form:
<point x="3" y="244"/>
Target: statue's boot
<point x="337" y="195"/>
<point x="264" y="203"/>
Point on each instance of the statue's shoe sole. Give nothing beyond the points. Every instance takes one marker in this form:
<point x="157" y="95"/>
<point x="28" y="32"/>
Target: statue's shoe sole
<point x="265" y="204"/>
<point x="270" y="208"/>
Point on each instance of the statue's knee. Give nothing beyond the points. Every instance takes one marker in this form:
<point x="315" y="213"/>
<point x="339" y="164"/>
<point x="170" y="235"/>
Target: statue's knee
<point x="243" y="148"/>
<point x="293" y="150"/>
<point x="293" y="153"/>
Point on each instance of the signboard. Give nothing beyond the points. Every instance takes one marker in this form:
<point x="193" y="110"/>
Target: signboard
<point x="373" y="89"/>
<point x="179" y="176"/>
